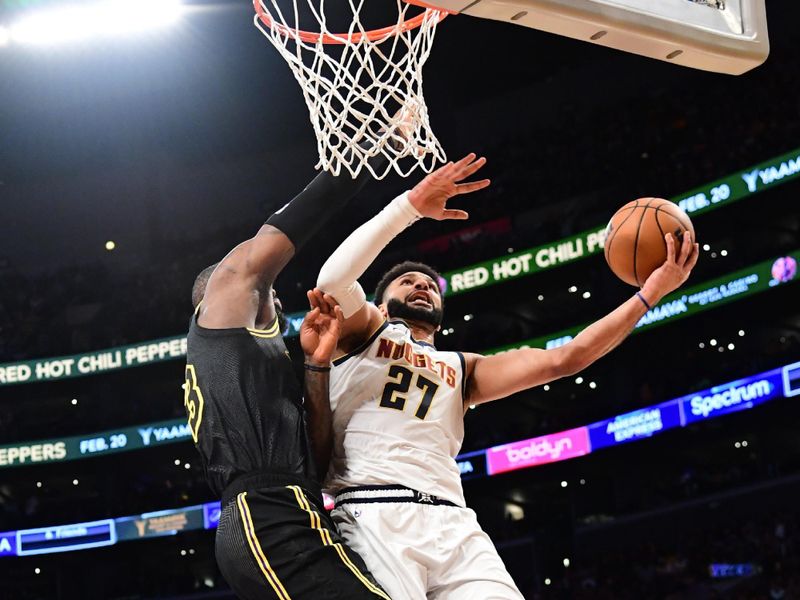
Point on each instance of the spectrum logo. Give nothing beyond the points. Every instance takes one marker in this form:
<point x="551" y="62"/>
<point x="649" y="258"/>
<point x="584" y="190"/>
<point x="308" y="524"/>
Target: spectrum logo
<point x="538" y="451"/>
<point x="731" y="399"/>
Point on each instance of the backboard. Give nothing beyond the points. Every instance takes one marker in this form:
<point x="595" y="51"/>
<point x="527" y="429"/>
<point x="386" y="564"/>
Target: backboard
<point x="725" y="36"/>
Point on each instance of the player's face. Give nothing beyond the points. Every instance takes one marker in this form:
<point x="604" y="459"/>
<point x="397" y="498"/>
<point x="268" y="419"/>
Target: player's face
<point x="279" y="310"/>
<point x="414" y="295"/>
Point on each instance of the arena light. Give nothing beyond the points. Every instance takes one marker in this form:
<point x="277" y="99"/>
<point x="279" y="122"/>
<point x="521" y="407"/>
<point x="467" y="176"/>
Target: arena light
<point x="104" y="19"/>
<point x="5" y="36"/>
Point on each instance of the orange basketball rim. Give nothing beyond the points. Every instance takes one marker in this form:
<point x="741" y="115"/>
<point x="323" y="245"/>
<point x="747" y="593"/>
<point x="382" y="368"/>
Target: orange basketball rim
<point x="374" y="35"/>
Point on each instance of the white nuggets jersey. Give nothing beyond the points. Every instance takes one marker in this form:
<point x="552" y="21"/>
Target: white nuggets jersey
<point x="398" y="415"/>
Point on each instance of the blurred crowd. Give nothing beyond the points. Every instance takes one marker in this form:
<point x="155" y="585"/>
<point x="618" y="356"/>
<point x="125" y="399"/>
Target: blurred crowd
<point x="764" y="551"/>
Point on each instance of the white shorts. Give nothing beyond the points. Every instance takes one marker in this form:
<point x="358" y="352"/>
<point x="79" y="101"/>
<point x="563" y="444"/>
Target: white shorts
<point x="419" y="551"/>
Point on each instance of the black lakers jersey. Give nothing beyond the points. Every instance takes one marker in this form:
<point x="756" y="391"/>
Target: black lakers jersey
<point x="244" y="405"/>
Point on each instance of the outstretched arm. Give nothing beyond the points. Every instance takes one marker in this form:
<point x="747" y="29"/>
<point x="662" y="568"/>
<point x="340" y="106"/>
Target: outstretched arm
<point x="319" y="335"/>
<point x="338" y="276"/>
<point x="498" y="376"/>
<point x="233" y="294"/>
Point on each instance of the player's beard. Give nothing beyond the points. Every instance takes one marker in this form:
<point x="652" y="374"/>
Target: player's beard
<point x="401" y="310"/>
<point x="282" y="321"/>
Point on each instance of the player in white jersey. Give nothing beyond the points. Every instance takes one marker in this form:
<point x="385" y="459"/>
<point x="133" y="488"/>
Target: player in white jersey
<point x="399" y="403"/>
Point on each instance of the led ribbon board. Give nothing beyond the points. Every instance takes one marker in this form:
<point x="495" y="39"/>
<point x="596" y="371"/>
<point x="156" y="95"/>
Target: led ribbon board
<point x="692" y="300"/>
<point x="734" y="396"/>
<point x="698" y="201"/>
<point x="96" y="444"/>
<point x="717" y="401"/>
<point x="64" y="538"/>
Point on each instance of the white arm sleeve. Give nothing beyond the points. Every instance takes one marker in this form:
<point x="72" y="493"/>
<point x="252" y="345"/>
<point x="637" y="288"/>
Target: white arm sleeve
<point x="338" y="276"/>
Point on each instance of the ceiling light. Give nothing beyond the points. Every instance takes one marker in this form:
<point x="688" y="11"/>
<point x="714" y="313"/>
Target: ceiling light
<point x="99" y="19"/>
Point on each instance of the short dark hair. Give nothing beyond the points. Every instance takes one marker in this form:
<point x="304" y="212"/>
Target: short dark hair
<point x="401" y="269"/>
<point x="200" y="283"/>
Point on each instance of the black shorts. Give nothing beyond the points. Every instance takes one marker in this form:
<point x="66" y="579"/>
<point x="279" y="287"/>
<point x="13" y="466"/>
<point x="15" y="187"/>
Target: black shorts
<point x="279" y="542"/>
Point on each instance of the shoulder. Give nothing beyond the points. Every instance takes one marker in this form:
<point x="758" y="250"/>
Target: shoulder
<point x="360" y="327"/>
<point x="358" y="348"/>
<point x="469" y="360"/>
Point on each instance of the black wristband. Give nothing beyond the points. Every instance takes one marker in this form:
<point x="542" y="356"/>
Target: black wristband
<point x="316" y="368"/>
<point x="319" y="202"/>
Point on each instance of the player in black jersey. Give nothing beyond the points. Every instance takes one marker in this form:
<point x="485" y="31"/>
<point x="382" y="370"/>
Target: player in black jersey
<point x="261" y="439"/>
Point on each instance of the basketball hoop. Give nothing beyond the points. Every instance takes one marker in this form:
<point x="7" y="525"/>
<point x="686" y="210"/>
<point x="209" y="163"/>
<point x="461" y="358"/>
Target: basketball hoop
<point x="363" y="88"/>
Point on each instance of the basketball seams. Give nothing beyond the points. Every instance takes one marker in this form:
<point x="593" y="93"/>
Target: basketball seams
<point x="636" y="242"/>
<point x="661" y="229"/>
<point x="677" y="217"/>
<point x="608" y="242"/>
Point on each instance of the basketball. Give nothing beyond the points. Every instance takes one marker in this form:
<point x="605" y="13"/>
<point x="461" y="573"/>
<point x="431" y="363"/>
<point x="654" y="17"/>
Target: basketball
<point x="635" y="244"/>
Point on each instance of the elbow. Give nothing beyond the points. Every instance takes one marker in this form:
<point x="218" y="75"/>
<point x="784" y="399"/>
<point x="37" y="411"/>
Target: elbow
<point x="327" y="281"/>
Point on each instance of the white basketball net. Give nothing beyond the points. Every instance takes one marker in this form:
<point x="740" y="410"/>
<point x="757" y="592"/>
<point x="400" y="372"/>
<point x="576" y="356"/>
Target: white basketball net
<point x="354" y="89"/>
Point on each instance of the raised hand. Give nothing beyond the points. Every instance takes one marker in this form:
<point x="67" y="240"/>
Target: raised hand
<point x="675" y="270"/>
<point x="430" y="195"/>
<point x="320" y="331"/>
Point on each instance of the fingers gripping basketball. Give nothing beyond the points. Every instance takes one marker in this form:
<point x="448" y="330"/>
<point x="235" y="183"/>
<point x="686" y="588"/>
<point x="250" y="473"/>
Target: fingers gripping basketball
<point x="635" y="244"/>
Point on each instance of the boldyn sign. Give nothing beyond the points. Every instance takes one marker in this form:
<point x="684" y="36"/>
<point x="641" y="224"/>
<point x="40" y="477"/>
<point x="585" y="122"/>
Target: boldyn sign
<point x="538" y="451"/>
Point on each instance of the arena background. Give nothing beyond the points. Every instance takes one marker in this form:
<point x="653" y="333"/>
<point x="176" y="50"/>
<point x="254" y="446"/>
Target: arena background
<point x="177" y="143"/>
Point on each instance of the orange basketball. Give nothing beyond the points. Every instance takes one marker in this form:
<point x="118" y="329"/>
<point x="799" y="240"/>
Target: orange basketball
<point x="635" y="245"/>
